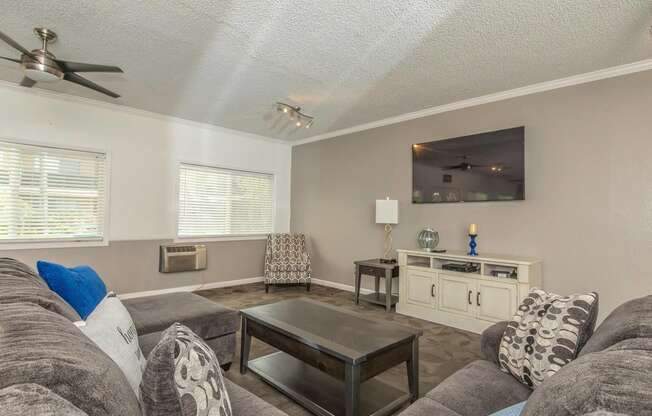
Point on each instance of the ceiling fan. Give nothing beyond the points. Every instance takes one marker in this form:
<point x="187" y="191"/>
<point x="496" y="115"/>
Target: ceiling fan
<point x="40" y="65"/>
<point x="463" y="165"/>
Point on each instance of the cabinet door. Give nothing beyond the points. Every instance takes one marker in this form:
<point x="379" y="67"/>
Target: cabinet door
<point x="495" y="301"/>
<point x="456" y="294"/>
<point x="420" y="287"/>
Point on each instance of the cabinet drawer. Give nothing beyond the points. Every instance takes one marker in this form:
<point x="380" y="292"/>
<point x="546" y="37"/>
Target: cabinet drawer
<point x="377" y="272"/>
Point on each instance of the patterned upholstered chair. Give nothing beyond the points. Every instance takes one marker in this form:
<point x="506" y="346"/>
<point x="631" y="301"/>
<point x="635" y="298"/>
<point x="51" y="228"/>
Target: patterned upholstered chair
<point x="286" y="260"/>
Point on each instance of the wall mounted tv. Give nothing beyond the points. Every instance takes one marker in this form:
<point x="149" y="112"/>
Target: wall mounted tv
<point x="480" y="167"/>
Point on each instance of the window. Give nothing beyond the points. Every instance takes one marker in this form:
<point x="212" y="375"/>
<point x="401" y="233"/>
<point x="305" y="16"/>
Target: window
<point x="216" y="202"/>
<point x="51" y="194"/>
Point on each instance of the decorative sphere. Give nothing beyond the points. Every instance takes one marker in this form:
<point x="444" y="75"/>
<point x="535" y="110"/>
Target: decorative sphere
<point x="428" y="239"/>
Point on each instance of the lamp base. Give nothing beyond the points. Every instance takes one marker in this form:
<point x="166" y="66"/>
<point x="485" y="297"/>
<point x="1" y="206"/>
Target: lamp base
<point x="388" y="261"/>
<point x="472" y="245"/>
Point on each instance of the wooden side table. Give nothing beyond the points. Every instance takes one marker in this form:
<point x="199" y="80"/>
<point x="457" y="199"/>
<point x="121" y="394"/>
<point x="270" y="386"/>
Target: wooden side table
<point x="378" y="270"/>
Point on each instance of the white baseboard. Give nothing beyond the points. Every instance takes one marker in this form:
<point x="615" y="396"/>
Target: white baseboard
<point x="340" y="286"/>
<point x="238" y="282"/>
<point x="192" y="288"/>
<point x="348" y="288"/>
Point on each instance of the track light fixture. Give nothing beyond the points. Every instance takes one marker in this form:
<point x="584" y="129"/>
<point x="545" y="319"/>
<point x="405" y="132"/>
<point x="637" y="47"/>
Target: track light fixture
<point x="294" y="113"/>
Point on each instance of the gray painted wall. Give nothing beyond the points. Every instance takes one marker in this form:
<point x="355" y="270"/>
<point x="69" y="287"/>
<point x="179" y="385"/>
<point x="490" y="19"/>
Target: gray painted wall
<point x="132" y="266"/>
<point x="588" y="207"/>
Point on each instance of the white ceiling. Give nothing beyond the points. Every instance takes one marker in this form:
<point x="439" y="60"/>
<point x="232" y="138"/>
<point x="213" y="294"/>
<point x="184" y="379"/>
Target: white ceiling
<point x="347" y="62"/>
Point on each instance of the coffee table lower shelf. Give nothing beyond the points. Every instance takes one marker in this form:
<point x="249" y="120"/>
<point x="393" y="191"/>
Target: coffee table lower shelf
<point x="320" y="393"/>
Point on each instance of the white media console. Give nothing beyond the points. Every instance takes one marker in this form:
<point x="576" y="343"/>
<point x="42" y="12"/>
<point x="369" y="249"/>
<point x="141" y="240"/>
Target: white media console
<point x="469" y="301"/>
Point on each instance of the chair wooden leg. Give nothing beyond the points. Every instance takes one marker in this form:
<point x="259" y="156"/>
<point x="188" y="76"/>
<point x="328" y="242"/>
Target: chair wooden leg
<point x="307" y="287"/>
<point x="266" y="288"/>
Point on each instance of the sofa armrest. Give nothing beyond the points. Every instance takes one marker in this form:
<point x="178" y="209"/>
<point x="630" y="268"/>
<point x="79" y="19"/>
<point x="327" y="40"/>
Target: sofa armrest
<point x="490" y="341"/>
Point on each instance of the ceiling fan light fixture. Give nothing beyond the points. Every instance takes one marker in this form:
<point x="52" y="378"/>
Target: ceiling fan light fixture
<point x="39" y="65"/>
<point x="40" y="75"/>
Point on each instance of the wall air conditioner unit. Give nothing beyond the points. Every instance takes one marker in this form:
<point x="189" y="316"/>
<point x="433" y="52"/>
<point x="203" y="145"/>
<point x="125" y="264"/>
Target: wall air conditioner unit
<point x="182" y="258"/>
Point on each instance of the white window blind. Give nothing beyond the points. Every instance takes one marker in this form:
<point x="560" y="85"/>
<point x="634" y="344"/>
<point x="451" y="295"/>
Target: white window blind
<point x="51" y="194"/>
<point x="217" y="202"/>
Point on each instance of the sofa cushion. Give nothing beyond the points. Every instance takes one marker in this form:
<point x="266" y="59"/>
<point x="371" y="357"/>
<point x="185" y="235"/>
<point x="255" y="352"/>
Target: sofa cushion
<point x="19" y="269"/>
<point x="32" y="399"/>
<point x="615" y="380"/>
<point x="514" y="410"/>
<point x="41" y="347"/>
<point x="223" y="346"/>
<point x="246" y="403"/>
<point x="632" y="319"/>
<point x="110" y="327"/>
<point x="80" y="286"/>
<point x="15" y="289"/>
<point x="183" y="377"/>
<point x="546" y="333"/>
<point x="204" y="317"/>
<point x="428" y="407"/>
<point x="479" y="389"/>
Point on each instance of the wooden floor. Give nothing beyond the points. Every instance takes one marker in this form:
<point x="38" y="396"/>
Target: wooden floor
<point x="442" y="350"/>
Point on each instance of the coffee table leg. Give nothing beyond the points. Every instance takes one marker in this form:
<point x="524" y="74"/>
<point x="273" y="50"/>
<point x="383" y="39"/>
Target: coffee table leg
<point x="352" y="386"/>
<point x="413" y="371"/>
<point x="245" y="346"/>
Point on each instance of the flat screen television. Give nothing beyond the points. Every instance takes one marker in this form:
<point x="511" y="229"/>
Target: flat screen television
<point x="480" y="167"/>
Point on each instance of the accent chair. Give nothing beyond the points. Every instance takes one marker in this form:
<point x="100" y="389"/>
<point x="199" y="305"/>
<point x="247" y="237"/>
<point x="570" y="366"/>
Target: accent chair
<point x="287" y="261"/>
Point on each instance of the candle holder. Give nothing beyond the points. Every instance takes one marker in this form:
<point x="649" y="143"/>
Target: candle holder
<point x="472" y="245"/>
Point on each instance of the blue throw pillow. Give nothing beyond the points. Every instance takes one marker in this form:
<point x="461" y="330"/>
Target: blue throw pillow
<point x="80" y="286"/>
<point x="514" y="410"/>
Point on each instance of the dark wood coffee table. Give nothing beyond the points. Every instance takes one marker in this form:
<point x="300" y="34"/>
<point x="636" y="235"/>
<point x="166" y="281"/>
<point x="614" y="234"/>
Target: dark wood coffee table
<point x="329" y="357"/>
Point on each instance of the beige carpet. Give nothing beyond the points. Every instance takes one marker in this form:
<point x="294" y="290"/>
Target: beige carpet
<point x="442" y="350"/>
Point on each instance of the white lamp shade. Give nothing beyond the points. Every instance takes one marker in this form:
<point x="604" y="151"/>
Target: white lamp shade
<point x="386" y="211"/>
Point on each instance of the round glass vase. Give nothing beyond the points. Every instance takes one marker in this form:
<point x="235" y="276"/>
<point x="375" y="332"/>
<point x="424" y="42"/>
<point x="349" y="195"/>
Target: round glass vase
<point x="428" y="239"/>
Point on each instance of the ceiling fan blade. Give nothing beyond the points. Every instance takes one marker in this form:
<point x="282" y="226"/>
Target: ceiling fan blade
<point x="10" y="59"/>
<point x="16" y="45"/>
<point x="27" y="82"/>
<point x="78" y="79"/>
<point x="81" y="67"/>
<point x="458" y="166"/>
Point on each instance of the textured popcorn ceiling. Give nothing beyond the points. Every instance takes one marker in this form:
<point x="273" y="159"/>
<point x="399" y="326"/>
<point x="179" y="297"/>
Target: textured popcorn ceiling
<point x="347" y="62"/>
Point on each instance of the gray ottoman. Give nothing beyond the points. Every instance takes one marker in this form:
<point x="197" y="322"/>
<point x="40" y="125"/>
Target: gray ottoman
<point x="215" y="323"/>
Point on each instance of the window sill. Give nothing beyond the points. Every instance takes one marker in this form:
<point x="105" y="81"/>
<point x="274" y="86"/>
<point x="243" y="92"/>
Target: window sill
<point x="35" y="245"/>
<point x="218" y="239"/>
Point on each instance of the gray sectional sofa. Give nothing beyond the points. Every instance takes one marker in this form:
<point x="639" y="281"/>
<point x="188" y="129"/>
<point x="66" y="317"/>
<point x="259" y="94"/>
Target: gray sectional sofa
<point x="48" y="367"/>
<point x="611" y="376"/>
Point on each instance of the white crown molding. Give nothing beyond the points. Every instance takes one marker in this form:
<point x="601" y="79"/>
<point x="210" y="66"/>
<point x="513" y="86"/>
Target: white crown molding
<point x="601" y="74"/>
<point x="133" y="111"/>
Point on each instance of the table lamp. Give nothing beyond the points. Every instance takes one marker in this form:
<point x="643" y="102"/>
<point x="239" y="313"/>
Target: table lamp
<point x="387" y="213"/>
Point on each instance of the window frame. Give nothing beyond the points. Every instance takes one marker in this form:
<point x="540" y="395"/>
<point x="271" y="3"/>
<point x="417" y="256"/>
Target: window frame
<point x="224" y="237"/>
<point x="43" y="243"/>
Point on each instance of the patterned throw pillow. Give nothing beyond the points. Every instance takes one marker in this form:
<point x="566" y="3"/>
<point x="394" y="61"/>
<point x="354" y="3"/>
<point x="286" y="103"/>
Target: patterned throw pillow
<point x="546" y="333"/>
<point x="183" y="377"/>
